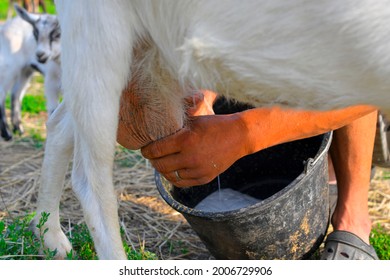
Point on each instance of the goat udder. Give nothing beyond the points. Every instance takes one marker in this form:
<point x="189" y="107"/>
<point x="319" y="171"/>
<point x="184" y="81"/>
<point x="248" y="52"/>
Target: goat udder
<point x="140" y="118"/>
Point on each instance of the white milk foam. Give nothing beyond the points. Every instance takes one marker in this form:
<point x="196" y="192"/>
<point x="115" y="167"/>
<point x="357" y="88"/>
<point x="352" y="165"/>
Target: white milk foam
<point x="225" y="200"/>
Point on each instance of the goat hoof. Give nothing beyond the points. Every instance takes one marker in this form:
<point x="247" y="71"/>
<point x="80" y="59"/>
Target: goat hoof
<point x="7" y="137"/>
<point x="57" y="241"/>
<point x="53" y="239"/>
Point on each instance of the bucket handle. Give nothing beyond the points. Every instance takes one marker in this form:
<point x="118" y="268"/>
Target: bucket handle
<point x="310" y="162"/>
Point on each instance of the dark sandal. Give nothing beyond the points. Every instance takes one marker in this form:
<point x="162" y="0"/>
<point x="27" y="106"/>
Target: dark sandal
<point x="343" y="245"/>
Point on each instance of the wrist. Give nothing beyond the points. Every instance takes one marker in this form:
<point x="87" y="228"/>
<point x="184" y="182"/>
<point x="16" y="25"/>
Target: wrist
<point x="242" y="127"/>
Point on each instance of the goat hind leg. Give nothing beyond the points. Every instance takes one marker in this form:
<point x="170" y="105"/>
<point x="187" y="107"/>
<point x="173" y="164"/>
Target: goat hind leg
<point x="4" y="130"/>
<point x="92" y="180"/>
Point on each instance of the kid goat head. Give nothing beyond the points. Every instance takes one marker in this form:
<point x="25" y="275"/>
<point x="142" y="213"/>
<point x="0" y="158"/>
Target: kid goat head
<point x="47" y="33"/>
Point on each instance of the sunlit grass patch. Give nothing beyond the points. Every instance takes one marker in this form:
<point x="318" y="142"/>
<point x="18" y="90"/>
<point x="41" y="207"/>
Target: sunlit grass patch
<point x="17" y="242"/>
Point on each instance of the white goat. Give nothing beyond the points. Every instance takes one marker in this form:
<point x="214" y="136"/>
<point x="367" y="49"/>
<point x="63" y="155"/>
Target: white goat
<point x="20" y="55"/>
<point x="17" y="63"/>
<point x="321" y="54"/>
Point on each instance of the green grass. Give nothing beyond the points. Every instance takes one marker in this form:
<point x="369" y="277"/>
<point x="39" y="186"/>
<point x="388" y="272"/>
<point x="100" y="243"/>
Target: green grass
<point x="175" y="247"/>
<point x="386" y="175"/>
<point x="5" y="3"/>
<point x="34" y="137"/>
<point x="17" y="242"/>
<point x="34" y="101"/>
<point x="3" y="9"/>
<point x="380" y="240"/>
<point x="33" y="104"/>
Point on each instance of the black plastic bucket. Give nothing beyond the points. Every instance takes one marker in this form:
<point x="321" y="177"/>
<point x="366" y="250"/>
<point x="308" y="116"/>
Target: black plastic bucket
<point x="290" y="222"/>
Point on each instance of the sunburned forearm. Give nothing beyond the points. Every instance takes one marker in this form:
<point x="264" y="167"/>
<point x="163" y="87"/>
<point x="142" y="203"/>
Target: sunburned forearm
<point x="267" y="127"/>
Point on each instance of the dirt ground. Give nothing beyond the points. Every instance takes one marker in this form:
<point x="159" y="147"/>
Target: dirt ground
<point x="148" y="221"/>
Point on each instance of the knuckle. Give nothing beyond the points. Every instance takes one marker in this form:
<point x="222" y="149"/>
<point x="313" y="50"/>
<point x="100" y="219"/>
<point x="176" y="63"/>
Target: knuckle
<point x="158" y="150"/>
<point x="146" y="153"/>
<point x="159" y="166"/>
<point x="151" y="151"/>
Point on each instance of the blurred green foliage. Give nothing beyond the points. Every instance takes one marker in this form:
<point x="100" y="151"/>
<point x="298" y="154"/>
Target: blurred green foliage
<point x="4" y="4"/>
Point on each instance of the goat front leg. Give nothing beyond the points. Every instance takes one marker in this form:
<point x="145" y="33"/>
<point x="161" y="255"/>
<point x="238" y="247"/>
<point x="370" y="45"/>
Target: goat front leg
<point x="58" y="152"/>
<point x="17" y="93"/>
<point x="97" y="40"/>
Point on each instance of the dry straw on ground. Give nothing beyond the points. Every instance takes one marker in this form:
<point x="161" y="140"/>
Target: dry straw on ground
<point x="148" y="221"/>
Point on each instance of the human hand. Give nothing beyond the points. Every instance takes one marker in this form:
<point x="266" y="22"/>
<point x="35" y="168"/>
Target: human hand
<point x="199" y="152"/>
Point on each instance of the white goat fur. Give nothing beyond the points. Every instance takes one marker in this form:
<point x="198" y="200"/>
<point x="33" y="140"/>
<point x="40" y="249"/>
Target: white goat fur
<point x="321" y="54"/>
